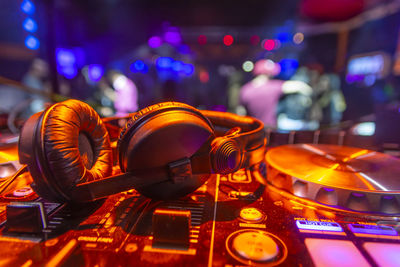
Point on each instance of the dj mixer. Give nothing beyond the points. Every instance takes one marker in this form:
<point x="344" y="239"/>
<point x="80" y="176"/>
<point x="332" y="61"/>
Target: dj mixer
<point x="306" y="205"/>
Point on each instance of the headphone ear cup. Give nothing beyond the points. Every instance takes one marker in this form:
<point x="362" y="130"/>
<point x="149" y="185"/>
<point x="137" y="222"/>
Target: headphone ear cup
<point x="159" y="135"/>
<point x="65" y="145"/>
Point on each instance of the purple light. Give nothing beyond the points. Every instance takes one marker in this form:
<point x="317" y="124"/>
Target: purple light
<point x="95" y="72"/>
<point x="327" y="252"/>
<point x="155" y="41"/>
<point x="328" y="189"/>
<point x="172" y="36"/>
<point x="384" y="254"/>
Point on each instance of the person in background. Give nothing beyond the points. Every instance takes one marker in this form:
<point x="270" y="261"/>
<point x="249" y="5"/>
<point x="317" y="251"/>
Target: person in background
<point x="37" y="78"/>
<point x="261" y="95"/>
<point x="126" y="94"/>
<point x="330" y="99"/>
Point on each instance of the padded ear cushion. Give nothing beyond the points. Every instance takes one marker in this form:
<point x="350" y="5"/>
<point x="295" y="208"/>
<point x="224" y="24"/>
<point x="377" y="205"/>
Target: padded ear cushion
<point x="161" y="134"/>
<point x="73" y="147"/>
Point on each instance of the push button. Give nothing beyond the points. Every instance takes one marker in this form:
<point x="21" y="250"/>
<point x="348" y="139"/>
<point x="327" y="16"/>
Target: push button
<point x="251" y="215"/>
<point x="255" y="246"/>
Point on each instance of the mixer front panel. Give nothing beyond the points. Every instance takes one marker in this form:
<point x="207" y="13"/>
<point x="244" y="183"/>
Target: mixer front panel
<point x="232" y="220"/>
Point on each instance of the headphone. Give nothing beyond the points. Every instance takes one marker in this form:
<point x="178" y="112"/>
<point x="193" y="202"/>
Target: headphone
<point x="164" y="151"/>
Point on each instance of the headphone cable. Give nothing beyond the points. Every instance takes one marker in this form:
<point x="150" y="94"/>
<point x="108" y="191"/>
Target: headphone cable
<point x="11" y="179"/>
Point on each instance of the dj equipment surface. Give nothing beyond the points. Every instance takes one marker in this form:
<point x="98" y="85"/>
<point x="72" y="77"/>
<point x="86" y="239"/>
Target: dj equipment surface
<point x="308" y="205"/>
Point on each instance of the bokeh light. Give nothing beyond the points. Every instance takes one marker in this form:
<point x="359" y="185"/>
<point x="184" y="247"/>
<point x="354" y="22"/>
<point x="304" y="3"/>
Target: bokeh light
<point x="95" y="72"/>
<point x="32" y="42"/>
<point x="28" y="7"/>
<point x="188" y="69"/>
<point x="248" y="66"/>
<point x="204" y="76"/>
<point x="65" y="57"/>
<point x="30" y="25"/>
<point x="202" y="39"/>
<point x="155" y="41"/>
<point x="173" y="37"/>
<point x="298" y="38"/>
<point x="255" y="40"/>
<point x="164" y="62"/>
<point x="268" y="44"/>
<point x="228" y="40"/>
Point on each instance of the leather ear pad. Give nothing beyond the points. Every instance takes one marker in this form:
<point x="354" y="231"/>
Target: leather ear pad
<point x="161" y="134"/>
<point x="71" y="145"/>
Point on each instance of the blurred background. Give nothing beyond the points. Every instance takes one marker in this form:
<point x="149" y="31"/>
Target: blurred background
<point x="295" y="64"/>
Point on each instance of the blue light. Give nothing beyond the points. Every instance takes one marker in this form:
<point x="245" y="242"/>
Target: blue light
<point x="65" y="57"/>
<point x="138" y="65"/>
<point x="318" y="226"/>
<point x="288" y="67"/>
<point x="177" y="65"/>
<point x="372" y="229"/>
<point x="28" y="7"/>
<point x="95" y="72"/>
<point x="32" y="42"/>
<point x="68" y="72"/>
<point x="184" y="49"/>
<point x="145" y="69"/>
<point x="164" y="62"/>
<point x="284" y="37"/>
<point x="30" y="25"/>
<point x="188" y="69"/>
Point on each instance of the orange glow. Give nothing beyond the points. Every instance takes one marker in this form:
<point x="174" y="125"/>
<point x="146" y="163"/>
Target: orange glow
<point x="173" y="212"/>
<point x="357" y="154"/>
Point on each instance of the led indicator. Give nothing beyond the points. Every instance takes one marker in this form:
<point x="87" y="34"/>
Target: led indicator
<point x="372" y="229"/>
<point x="319" y="226"/>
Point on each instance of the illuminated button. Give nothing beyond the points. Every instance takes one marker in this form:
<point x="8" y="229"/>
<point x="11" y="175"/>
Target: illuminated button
<point x="255" y="246"/>
<point x="384" y="254"/>
<point x="22" y="192"/>
<point x="318" y="226"/>
<point x="251" y="214"/>
<point x="372" y="229"/>
<point x="333" y="253"/>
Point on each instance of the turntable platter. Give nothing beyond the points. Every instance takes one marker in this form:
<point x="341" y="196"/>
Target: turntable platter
<point x="348" y="177"/>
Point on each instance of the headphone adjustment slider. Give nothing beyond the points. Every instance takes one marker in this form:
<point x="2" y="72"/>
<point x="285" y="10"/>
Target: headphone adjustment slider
<point x="180" y="170"/>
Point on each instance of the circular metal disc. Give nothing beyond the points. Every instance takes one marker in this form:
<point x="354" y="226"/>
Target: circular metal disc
<point x="338" y="166"/>
<point x="346" y="177"/>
